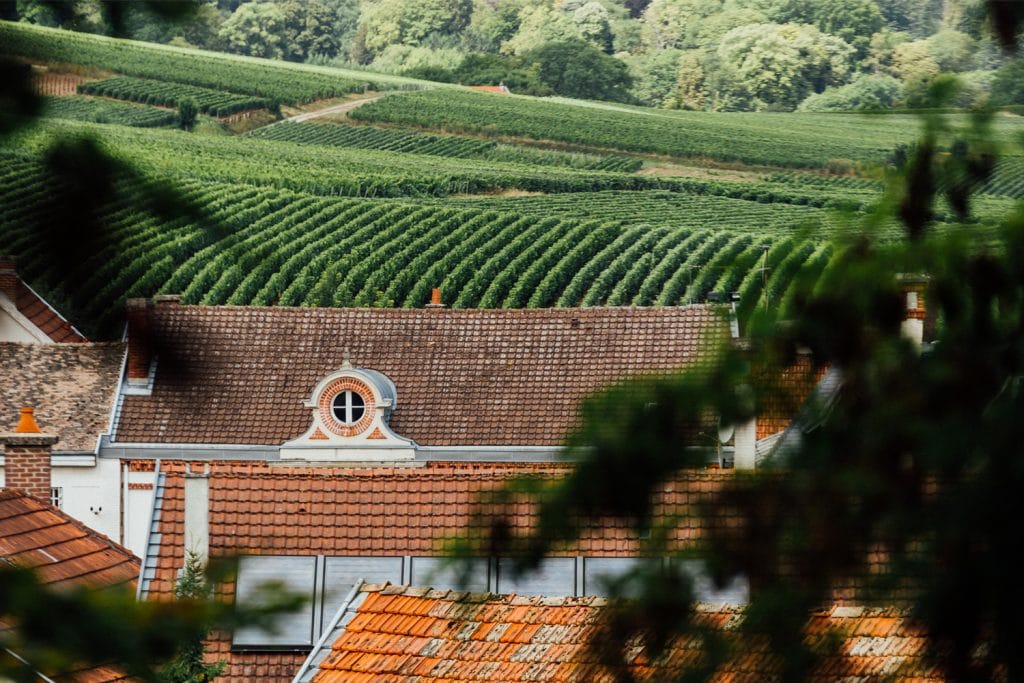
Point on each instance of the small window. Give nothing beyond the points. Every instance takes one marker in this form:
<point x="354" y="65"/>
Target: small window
<point x="348" y="407"/>
<point x="57" y="497"/>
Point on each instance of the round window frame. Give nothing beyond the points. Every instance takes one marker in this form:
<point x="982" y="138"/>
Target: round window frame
<point x="326" y="406"/>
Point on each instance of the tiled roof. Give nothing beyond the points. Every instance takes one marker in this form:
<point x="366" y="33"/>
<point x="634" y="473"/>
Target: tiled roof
<point x="264" y="509"/>
<point x="464" y="377"/>
<point x="259" y="508"/>
<point x="64" y="553"/>
<point x="407" y="635"/>
<point x="71" y="386"/>
<point x="33" y="307"/>
<point x="62" y="550"/>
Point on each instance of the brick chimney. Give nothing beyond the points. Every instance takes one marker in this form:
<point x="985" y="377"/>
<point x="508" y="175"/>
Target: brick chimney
<point x="27" y="457"/>
<point x="8" y="277"/>
<point x="140" y="342"/>
<point x="912" y="289"/>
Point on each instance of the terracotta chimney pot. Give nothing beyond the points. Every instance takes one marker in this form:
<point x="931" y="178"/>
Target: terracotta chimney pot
<point x="27" y="422"/>
<point x="435" y="298"/>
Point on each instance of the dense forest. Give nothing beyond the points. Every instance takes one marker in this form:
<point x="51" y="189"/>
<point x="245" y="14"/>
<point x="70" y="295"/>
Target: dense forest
<point x="715" y="55"/>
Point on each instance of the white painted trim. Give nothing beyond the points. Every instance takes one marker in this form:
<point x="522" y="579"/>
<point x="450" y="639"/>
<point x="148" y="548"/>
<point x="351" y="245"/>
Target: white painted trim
<point x="345" y="604"/>
<point x="115" y="405"/>
<point x="30" y="328"/>
<point x="70" y="460"/>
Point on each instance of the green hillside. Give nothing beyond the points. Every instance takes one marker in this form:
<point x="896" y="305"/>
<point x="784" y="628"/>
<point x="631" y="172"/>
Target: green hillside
<point x="502" y="201"/>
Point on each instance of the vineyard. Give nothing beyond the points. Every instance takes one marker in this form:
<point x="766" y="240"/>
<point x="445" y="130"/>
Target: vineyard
<point x="86" y="109"/>
<point x="161" y="93"/>
<point x="287" y="83"/>
<point x="266" y="246"/>
<point x="793" y="140"/>
<point x="502" y="201"/>
<point x="412" y="142"/>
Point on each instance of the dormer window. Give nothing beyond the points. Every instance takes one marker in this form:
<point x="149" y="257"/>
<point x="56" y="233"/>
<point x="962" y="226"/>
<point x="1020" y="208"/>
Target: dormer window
<point x="351" y="408"/>
<point x="348" y="407"/>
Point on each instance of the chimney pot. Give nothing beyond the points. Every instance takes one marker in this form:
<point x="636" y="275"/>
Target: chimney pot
<point x="435" y="298"/>
<point x="27" y="422"/>
<point x="27" y="457"/>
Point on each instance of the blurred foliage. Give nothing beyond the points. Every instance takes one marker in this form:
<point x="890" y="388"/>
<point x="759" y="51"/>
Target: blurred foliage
<point x="904" y="491"/>
<point x="53" y="632"/>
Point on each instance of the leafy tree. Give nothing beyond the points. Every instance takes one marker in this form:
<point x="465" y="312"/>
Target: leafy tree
<point x="539" y="25"/>
<point x="864" y="92"/>
<point x="655" y="76"/>
<point x="574" y="68"/>
<point x="690" y="81"/>
<point x="676" y="23"/>
<point x="775" y="66"/>
<point x="852" y="20"/>
<point x="258" y="29"/>
<point x="952" y="50"/>
<point x="919" y="18"/>
<point x="188" y="110"/>
<point x="913" y="64"/>
<point x="1008" y="84"/>
<point x="188" y="664"/>
<point x="410" y="22"/>
<point x="591" y="20"/>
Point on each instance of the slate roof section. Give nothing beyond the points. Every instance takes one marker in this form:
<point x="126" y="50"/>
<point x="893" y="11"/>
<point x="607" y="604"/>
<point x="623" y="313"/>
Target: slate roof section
<point x="73" y="388"/>
<point x="63" y="551"/>
<point x="464" y="377"/>
<point x="416" y="635"/>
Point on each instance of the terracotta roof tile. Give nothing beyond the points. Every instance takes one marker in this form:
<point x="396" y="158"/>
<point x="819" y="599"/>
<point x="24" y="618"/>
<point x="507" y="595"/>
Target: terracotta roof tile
<point x="254" y="509"/>
<point x="62" y="550"/>
<point x="464" y="377"/>
<point x="71" y="386"/>
<point x="44" y="316"/>
<point x="377" y="643"/>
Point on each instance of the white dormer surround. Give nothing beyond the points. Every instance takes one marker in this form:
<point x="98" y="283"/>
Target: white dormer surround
<point x="350" y="412"/>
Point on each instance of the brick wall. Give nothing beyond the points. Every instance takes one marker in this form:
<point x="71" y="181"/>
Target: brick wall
<point x="27" y="463"/>
<point x="8" y="277"/>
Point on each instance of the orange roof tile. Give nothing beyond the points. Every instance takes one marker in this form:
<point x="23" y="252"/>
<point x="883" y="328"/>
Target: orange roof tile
<point x="257" y="508"/>
<point x="510" y="638"/>
<point x="62" y="550"/>
<point x="64" y="553"/>
<point x="33" y="307"/>
<point x="464" y="377"/>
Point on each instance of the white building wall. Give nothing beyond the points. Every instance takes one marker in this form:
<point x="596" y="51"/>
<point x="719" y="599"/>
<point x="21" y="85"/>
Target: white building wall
<point x="15" y="327"/>
<point x="98" y="495"/>
<point x="92" y="495"/>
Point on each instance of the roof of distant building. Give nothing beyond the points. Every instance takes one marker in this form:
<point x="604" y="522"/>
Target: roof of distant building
<point x="240" y="375"/>
<point x="33" y="307"/>
<point x="72" y="388"/>
<point x="399" y="634"/>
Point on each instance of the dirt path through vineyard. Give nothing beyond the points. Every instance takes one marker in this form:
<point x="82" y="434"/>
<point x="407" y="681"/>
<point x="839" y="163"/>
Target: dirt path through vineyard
<point x="336" y="109"/>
